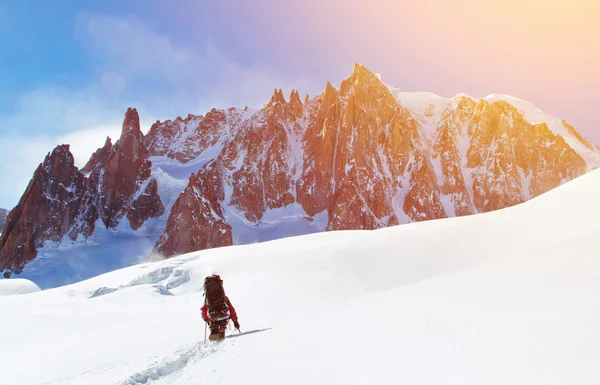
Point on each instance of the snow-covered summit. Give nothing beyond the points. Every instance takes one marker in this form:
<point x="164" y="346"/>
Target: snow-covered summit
<point x="428" y="108"/>
<point x="534" y="114"/>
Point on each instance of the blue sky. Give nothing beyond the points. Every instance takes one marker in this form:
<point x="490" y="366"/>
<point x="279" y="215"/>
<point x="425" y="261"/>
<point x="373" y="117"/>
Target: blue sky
<point x="70" y="69"/>
<point x="68" y="74"/>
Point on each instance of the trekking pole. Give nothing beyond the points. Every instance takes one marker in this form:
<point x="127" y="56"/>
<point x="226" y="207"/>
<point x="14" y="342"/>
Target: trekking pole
<point x="205" y="333"/>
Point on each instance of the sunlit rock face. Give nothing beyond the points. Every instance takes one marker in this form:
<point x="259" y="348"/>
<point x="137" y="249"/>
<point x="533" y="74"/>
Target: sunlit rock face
<point x="490" y="157"/>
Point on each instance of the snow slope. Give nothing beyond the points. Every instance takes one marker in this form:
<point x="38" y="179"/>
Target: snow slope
<point x="508" y="297"/>
<point x="17" y="286"/>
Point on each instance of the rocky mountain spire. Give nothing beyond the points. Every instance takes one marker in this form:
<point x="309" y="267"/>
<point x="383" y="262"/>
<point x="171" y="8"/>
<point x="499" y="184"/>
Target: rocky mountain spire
<point x="131" y="123"/>
<point x="295" y="97"/>
<point x="277" y="97"/>
<point x="46" y="211"/>
<point x="122" y="176"/>
<point x="295" y="104"/>
<point x="99" y="156"/>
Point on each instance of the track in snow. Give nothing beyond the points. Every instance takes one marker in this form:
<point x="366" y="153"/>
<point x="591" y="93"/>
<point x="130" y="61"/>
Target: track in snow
<point x="163" y="367"/>
<point x="166" y="366"/>
<point x="158" y="368"/>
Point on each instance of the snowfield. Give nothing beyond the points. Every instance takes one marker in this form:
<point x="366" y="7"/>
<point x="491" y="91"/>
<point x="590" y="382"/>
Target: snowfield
<point x="508" y="297"/>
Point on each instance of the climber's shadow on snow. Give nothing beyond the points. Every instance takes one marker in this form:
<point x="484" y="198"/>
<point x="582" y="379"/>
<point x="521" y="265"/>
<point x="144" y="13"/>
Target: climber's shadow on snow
<point x="248" y="332"/>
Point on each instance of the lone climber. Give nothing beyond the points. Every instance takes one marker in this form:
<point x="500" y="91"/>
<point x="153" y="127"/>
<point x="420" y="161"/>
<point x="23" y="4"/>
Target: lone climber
<point x="217" y="309"/>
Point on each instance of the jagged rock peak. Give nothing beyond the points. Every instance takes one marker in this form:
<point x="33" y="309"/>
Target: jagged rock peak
<point x="277" y="97"/>
<point x="190" y="117"/>
<point x="295" y="97"/>
<point x="330" y="91"/>
<point x="59" y="159"/>
<point x="46" y="211"/>
<point x="126" y="168"/>
<point x="99" y="156"/>
<point x="361" y="72"/>
<point x="362" y="78"/>
<point x="59" y="166"/>
<point x="59" y="151"/>
<point x="131" y="121"/>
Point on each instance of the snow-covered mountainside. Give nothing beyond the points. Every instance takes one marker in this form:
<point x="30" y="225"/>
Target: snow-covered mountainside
<point x="363" y="156"/>
<point x="507" y="297"/>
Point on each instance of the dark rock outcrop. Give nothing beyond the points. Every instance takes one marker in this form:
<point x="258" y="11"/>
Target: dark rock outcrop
<point x="46" y="212"/>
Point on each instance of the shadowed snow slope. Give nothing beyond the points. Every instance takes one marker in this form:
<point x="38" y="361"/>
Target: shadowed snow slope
<point x="508" y="297"/>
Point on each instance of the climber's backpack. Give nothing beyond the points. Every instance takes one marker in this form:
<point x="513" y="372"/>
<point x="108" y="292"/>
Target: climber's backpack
<point x="215" y="298"/>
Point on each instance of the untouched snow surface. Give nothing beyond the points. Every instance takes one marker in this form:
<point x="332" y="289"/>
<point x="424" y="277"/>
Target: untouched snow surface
<point x="508" y="297"/>
<point x="17" y="286"/>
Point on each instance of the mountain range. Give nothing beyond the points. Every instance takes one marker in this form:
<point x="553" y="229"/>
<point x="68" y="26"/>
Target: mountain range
<point x="364" y="155"/>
